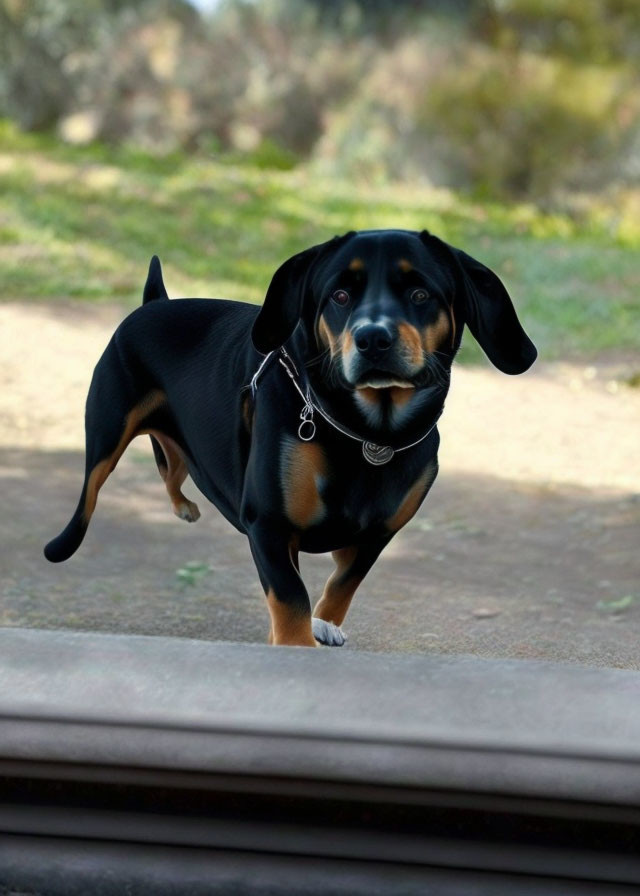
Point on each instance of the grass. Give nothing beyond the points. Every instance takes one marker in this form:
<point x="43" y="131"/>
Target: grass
<point x="83" y="223"/>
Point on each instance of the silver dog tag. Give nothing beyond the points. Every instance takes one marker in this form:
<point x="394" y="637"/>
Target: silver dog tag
<point x="377" y="454"/>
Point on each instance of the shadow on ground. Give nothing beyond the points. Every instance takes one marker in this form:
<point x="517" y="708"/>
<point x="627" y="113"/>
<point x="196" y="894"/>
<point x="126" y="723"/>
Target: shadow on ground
<point x="487" y="567"/>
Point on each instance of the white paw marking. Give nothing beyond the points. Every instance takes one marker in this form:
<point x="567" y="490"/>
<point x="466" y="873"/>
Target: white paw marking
<point x="327" y="633"/>
<point x="187" y="511"/>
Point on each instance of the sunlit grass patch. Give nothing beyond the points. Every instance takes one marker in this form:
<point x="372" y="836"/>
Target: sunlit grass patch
<point x="85" y="222"/>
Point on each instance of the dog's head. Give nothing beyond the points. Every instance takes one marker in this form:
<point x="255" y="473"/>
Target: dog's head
<point x="385" y="310"/>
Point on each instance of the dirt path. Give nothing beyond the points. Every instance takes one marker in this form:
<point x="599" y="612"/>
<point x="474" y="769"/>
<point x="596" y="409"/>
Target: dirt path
<point x="528" y="546"/>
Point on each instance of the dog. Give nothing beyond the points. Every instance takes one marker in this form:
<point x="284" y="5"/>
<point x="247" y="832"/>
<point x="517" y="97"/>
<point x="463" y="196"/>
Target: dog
<point x="310" y="422"/>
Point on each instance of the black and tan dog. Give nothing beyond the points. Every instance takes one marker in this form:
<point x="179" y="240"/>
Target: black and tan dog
<point x="327" y="444"/>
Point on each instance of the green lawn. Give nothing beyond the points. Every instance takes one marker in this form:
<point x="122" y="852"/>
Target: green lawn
<point x="83" y="223"/>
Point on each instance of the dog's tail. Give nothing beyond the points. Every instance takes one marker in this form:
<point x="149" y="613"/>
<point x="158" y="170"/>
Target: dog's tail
<point x="154" y="288"/>
<point x="68" y="542"/>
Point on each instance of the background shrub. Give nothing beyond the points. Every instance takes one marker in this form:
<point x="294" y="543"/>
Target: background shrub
<point x="506" y="98"/>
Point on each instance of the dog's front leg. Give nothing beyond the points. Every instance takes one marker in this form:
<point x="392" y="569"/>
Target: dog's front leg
<point x="289" y="606"/>
<point x="352" y="565"/>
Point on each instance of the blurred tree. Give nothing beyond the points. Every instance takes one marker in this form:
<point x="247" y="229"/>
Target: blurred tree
<point x="597" y="31"/>
<point x="509" y="97"/>
<point x="34" y="89"/>
<point x="47" y="47"/>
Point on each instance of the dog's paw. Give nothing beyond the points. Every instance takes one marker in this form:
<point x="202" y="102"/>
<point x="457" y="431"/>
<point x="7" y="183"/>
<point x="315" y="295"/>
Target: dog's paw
<point x="187" y="511"/>
<point x="327" y="633"/>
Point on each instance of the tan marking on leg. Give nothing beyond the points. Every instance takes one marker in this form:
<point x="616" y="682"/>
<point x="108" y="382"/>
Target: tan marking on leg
<point x="326" y="337"/>
<point x="103" y="468"/>
<point x="412" y="500"/>
<point x="176" y="474"/>
<point x="410" y="339"/>
<point x="337" y="595"/>
<point x="356" y="264"/>
<point x="303" y="464"/>
<point x="436" y="333"/>
<point x="405" y="265"/>
<point x="96" y="480"/>
<point x="289" y="626"/>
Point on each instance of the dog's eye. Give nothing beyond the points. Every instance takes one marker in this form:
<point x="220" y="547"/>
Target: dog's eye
<point x="418" y="296"/>
<point x="340" y="297"/>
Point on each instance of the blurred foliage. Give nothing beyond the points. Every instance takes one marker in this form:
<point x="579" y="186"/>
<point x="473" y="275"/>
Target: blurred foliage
<point x="83" y="222"/>
<point x="598" y="31"/>
<point x="549" y="133"/>
<point x="507" y="98"/>
<point x="228" y="141"/>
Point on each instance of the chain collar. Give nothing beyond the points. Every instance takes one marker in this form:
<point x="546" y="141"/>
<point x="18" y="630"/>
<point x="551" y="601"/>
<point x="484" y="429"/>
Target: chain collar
<point x="375" y="454"/>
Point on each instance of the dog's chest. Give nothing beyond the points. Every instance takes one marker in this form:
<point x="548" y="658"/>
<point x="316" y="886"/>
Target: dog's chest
<point x="339" y="492"/>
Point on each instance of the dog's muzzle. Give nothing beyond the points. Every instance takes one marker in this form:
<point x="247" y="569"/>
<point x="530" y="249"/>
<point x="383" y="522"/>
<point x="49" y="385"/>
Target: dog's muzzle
<point x="373" y="341"/>
<point x="375" y="360"/>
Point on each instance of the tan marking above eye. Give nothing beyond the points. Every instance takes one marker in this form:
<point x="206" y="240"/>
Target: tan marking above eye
<point x="303" y="463"/>
<point x="356" y="264"/>
<point x="436" y="333"/>
<point x="410" y="339"/>
<point x="405" y="265"/>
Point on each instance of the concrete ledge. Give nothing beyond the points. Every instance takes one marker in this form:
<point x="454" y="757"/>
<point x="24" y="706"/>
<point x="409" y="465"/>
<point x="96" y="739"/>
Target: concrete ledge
<point x="487" y="766"/>
<point x="461" y="722"/>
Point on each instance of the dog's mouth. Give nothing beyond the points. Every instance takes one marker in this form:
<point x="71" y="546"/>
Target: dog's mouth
<point x="380" y="381"/>
<point x="385" y="384"/>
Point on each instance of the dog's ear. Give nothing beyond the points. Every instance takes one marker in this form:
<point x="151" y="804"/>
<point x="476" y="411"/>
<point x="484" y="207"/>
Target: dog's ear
<point x="489" y="312"/>
<point x="286" y="295"/>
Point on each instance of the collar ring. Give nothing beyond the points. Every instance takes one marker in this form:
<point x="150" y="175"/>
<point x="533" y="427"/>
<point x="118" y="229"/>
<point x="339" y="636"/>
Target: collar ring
<point x="307" y="430"/>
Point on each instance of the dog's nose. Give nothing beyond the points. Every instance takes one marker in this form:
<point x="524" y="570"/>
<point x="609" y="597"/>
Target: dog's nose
<point x="372" y="340"/>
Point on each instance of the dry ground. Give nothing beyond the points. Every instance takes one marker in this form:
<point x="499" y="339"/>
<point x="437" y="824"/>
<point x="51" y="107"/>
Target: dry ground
<point x="528" y="545"/>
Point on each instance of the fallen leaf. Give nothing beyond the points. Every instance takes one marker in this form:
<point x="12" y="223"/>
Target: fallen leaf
<point x="619" y="605"/>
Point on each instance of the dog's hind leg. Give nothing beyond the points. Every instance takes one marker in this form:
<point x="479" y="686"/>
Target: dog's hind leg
<point x="174" y="472"/>
<point x="161" y="460"/>
<point x="112" y="420"/>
